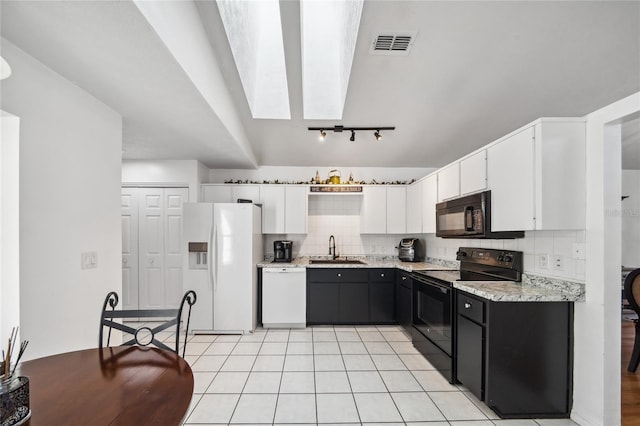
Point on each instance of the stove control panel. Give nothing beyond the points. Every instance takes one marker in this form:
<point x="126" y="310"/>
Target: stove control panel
<point x="508" y="259"/>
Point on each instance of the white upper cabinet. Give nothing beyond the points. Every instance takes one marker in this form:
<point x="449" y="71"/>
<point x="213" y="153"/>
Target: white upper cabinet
<point x="449" y="182"/>
<point x="373" y="215"/>
<point x="473" y="173"/>
<point x="536" y="177"/>
<point x="396" y="209"/>
<point x="296" y="209"/>
<point x="216" y="193"/>
<point x="272" y="198"/>
<point x="510" y="174"/>
<point x="229" y="193"/>
<point x="414" y="207"/>
<point x="429" y="201"/>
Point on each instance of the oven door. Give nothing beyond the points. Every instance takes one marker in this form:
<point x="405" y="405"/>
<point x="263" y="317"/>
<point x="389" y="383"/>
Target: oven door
<point x="432" y="312"/>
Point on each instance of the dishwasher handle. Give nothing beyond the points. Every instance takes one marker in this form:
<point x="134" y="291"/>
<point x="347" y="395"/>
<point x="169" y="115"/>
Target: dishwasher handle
<point x="283" y="270"/>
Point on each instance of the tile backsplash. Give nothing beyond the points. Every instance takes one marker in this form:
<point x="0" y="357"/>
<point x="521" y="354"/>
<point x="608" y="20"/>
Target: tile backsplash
<point x="533" y="245"/>
<point x="339" y="215"/>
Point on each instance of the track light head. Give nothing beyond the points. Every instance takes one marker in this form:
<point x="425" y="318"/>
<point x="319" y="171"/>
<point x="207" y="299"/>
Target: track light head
<point x="323" y="135"/>
<point x="377" y="135"/>
<point x="353" y="136"/>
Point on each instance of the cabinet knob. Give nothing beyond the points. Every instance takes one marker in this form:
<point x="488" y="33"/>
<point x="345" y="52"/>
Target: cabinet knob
<point x="339" y="275"/>
<point x="382" y="275"/>
<point x="404" y="278"/>
<point x="467" y="305"/>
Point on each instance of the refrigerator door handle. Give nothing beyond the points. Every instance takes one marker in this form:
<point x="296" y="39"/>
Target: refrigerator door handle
<point x="211" y="254"/>
<point x="215" y="263"/>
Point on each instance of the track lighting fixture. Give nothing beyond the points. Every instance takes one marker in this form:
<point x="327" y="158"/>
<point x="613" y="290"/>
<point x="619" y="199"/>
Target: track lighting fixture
<point x="352" y="138"/>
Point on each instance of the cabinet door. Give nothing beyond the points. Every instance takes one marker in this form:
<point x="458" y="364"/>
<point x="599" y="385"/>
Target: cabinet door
<point x="449" y="182"/>
<point x="381" y="302"/>
<point x="216" y="193"/>
<point x="510" y="175"/>
<point x="373" y="216"/>
<point x="272" y="198"/>
<point x="129" y="219"/>
<point x="414" y="208"/>
<point x="470" y="355"/>
<point x="396" y="210"/>
<point x="354" y="302"/>
<point x="404" y="302"/>
<point x="473" y="173"/>
<point x="295" y="216"/>
<point x="429" y="201"/>
<point x="323" y="303"/>
<point x="174" y="198"/>
<point x="246" y="192"/>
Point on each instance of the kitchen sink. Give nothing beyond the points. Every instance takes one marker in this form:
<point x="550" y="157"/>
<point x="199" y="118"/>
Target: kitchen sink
<point x="336" y="262"/>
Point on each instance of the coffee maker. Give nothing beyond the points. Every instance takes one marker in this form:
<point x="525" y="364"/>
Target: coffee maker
<point x="282" y="251"/>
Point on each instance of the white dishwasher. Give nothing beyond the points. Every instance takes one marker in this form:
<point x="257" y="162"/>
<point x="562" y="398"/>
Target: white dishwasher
<point x="284" y="297"/>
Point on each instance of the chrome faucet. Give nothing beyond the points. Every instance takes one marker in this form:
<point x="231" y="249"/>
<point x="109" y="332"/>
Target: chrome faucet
<point x="332" y="248"/>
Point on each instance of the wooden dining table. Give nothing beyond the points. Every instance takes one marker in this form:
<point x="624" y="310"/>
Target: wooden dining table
<point x="123" y="385"/>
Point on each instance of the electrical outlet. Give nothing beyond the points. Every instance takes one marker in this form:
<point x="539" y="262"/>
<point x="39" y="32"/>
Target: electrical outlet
<point x="543" y="261"/>
<point x="558" y="262"/>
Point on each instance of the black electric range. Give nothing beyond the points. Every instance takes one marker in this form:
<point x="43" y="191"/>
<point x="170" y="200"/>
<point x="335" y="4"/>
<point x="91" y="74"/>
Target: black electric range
<point x="433" y="301"/>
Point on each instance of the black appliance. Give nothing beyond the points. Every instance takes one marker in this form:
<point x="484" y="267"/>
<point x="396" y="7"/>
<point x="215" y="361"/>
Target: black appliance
<point x="469" y="217"/>
<point x="410" y="250"/>
<point x="433" y="304"/>
<point x="282" y="251"/>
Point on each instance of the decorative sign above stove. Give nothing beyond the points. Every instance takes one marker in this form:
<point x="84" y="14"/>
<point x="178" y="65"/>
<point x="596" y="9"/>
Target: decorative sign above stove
<point x="335" y="188"/>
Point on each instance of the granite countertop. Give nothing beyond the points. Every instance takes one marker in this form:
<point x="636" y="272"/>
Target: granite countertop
<point x="533" y="288"/>
<point x="303" y="262"/>
<point x="510" y="291"/>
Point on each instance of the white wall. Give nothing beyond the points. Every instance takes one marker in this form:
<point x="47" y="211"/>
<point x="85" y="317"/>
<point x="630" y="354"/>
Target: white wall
<point x="9" y="224"/>
<point x="70" y="155"/>
<point x="533" y="244"/>
<point x="305" y="174"/>
<point x="188" y="173"/>
<point x="597" y="321"/>
<point x="631" y="218"/>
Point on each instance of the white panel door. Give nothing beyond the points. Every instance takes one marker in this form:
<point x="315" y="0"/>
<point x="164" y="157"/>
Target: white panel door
<point x="174" y="199"/>
<point x="473" y="173"/>
<point x="129" y="220"/>
<point x="152" y="293"/>
<point x="396" y="209"/>
<point x="272" y="198"/>
<point x="414" y="208"/>
<point x="510" y="173"/>
<point x="449" y="182"/>
<point x="296" y="210"/>
<point x="429" y="201"/>
<point x="373" y="216"/>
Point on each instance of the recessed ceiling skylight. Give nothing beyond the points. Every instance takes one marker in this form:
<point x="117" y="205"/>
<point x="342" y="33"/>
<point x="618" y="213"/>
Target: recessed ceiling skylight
<point x="329" y="33"/>
<point x="254" y="31"/>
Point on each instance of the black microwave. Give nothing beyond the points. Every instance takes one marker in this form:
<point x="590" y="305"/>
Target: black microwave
<point x="468" y="217"/>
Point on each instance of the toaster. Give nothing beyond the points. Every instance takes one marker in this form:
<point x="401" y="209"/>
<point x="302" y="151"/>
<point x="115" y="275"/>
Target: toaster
<point x="410" y="250"/>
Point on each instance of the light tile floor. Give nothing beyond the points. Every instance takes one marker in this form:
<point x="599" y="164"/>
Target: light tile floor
<point x="327" y="375"/>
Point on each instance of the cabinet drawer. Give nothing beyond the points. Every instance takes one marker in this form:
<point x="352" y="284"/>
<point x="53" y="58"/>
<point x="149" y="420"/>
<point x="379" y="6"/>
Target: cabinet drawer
<point x="471" y="308"/>
<point x="378" y="275"/>
<point x="338" y="275"/>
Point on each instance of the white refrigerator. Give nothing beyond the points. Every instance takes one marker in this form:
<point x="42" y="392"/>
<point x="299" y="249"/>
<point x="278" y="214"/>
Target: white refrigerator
<point x="223" y="244"/>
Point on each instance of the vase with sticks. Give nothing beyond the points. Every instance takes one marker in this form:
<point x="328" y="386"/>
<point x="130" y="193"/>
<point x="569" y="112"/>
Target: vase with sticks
<point x="14" y="390"/>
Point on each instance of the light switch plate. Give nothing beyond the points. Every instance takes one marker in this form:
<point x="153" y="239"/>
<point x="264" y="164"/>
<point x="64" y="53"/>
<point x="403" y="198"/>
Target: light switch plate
<point x="89" y="260"/>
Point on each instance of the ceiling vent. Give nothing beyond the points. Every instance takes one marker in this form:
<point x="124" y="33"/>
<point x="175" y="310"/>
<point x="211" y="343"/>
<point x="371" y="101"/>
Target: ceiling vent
<point x="392" y="44"/>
